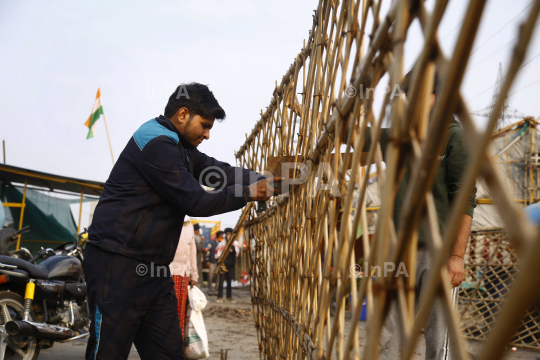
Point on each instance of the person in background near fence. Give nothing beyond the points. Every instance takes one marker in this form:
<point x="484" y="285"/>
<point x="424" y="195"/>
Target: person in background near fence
<point x="447" y="185"/>
<point x="230" y="262"/>
<point x="213" y="262"/>
<point x="199" y="243"/>
<point x="184" y="269"/>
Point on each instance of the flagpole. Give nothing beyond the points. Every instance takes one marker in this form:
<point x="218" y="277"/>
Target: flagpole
<point x="108" y="137"/>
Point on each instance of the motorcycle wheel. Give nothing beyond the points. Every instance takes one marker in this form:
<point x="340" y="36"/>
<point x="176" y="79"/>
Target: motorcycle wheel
<point x="11" y="308"/>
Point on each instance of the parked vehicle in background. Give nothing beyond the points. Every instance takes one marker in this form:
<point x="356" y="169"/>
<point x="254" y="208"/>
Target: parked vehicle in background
<point x="43" y="303"/>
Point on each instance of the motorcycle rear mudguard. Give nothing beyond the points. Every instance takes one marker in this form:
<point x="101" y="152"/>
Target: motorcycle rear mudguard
<point x="16" y="275"/>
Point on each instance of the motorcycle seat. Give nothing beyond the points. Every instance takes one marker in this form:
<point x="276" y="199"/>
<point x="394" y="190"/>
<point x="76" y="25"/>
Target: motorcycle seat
<point x="35" y="271"/>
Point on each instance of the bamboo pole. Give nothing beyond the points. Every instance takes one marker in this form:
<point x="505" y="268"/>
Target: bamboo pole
<point x="108" y="137"/>
<point x="80" y="212"/>
<point x="23" y="207"/>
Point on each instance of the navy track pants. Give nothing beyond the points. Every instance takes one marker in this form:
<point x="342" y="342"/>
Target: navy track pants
<point x="130" y="305"/>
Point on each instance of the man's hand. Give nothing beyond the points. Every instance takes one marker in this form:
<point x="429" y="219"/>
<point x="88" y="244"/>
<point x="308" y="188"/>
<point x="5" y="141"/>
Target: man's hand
<point x="262" y="190"/>
<point x="194" y="283"/>
<point x="456" y="270"/>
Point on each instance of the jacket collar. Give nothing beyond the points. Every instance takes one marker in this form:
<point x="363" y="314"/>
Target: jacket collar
<point x="455" y="123"/>
<point x="163" y="120"/>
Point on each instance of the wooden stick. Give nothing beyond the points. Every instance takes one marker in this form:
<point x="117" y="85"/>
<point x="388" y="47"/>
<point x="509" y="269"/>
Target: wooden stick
<point x="108" y="137"/>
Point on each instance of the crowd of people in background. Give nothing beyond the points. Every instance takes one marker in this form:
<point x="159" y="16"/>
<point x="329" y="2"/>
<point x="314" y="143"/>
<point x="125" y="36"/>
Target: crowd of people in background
<point x="187" y="266"/>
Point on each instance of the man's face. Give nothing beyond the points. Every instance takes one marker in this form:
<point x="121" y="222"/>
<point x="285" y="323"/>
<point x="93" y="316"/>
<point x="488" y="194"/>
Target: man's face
<point x="227" y="236"/>
<point x="195" y="128"/>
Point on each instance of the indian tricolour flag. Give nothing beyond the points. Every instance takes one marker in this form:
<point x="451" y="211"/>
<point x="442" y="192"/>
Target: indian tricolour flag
<point x="97" y="111"/>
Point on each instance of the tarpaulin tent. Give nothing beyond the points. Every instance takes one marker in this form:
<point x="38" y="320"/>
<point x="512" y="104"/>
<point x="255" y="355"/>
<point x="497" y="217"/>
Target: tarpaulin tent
<point x="29" y="197"/>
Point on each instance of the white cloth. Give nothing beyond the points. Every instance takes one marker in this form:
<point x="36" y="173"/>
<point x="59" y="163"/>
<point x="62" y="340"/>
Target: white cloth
<point x="221" y="247"/>
<point x="197" y="343"/>
<point x="185" y="259"/>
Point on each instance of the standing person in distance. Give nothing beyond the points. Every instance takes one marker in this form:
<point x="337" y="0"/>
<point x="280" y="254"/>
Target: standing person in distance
<point x="184" y="269"/>
<point x="212" y="277"/>
<point x="199" y="243"/>
<point x="230" y="263"/>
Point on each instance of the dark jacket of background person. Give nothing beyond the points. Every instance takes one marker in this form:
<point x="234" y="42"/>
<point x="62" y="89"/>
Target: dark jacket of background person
<point x="448" y="180"/>
<point x="212" y="251"/>
<point x="153" y="185"/>
<point x="230" y="260"/>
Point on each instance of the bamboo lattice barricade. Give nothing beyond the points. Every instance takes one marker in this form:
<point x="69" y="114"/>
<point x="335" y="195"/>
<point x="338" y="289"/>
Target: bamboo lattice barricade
<point x="304" y="242"/>
<point x="491" y="269"/>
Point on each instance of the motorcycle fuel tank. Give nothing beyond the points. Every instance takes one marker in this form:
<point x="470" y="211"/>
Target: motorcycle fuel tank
<point x="63" y="267"/>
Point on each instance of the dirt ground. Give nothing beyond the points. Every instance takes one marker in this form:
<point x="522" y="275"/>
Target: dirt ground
<point x="230" y="327"/>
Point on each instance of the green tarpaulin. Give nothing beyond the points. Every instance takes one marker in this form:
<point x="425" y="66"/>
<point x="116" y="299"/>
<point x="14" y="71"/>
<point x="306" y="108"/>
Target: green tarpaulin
<point x="50" y="218"/>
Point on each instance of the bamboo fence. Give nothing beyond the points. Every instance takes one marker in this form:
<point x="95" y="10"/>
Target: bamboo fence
<point x="491" y="268"/>
<point x="304" y="242"/>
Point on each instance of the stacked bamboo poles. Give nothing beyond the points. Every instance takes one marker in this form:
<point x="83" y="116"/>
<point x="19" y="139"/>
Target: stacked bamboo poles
<point x="304" y="242"/>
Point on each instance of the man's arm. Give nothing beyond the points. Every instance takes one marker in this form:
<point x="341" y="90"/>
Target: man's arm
<point x="162" y="166"/>
<point x="214" y="173"/>
<point x="456" y="263"/>
<point x="456" y="164"/>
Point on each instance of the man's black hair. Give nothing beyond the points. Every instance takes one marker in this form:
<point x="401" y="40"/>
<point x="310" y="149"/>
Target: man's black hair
<point x="219" y="233"/>
<point x="228" y="230"/>
<point x="407" y="85"/>
<point x="198" y="99"/>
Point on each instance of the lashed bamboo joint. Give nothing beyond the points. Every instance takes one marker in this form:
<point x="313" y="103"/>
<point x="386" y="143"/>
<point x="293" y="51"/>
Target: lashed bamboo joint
<point x="303" y="263"/>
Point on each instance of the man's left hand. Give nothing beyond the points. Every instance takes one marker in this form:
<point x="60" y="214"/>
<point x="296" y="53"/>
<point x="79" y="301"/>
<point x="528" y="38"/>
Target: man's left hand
<point x="193" y="283"/>
<point x="456" y="270"/>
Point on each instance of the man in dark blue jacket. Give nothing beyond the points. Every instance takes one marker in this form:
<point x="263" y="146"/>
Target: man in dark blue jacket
<point x="137" y="223"/>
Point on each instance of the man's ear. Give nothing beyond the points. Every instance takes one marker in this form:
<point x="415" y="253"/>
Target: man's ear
<point x="183" y="115"/>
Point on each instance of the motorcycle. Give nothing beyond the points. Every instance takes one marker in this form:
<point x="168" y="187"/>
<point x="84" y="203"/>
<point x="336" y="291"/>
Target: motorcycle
<point x="44" y="303"/>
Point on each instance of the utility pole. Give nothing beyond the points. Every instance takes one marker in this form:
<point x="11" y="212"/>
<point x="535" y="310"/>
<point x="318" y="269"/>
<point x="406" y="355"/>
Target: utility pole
<point x="507" y="112"/>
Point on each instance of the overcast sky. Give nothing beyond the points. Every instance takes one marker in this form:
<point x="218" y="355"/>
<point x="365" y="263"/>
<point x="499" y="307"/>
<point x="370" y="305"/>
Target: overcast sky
<point x="55" y="54"/>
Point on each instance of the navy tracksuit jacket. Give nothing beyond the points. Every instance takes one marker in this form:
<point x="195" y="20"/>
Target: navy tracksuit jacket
<point x="137" y="222"/>
<point x="154" y="184"/>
